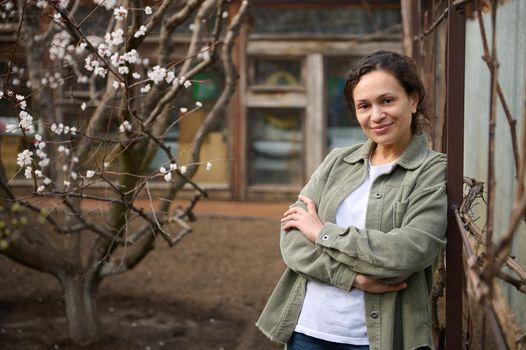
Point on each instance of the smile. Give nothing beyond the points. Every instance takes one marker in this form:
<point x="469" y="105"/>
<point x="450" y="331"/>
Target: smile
<point x="380" y="128"/>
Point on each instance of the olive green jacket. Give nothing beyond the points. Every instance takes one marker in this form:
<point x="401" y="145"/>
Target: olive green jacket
<point x="405" y="230"/>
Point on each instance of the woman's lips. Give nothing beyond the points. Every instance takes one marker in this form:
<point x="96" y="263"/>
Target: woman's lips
<point x="381" y="129"/>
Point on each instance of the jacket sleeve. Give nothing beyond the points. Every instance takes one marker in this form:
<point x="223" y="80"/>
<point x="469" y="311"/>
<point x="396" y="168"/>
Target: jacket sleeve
<point x="393" y="256"/>
<point x="307" y="258"/>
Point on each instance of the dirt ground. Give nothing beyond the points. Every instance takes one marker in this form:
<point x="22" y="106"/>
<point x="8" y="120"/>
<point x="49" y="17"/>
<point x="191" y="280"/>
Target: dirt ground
<point x="204" y="293"/>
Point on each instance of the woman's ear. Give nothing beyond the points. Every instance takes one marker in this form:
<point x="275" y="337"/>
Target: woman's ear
<point x="413" y="99"/>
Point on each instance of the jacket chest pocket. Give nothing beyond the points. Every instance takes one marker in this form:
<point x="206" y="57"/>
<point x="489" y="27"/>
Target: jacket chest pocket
<point x="399" y="210"/>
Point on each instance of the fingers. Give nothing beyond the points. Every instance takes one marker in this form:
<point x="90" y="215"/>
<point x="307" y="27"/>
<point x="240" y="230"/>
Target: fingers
<point x="294" y="210"/>
<point x="294" y="216"/>
<point x="384" y="288"/>
<point x="311" y="206"/>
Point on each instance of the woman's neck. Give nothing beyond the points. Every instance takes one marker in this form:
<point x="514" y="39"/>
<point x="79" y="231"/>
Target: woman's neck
<point x="383" y="154"/>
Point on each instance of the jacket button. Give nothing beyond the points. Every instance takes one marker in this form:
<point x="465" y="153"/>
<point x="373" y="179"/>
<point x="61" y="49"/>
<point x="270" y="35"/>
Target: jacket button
<point x="377" y="195"/>
<point x="325" y="237"/>
<point x="374" y="314"/>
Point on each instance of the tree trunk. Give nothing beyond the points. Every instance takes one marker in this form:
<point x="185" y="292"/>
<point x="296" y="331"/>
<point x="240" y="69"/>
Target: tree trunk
<point x="81" y="309"/>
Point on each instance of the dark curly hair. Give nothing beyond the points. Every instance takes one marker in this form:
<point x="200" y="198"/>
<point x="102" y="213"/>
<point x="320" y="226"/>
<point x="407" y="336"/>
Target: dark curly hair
<point x="403" y="69"/>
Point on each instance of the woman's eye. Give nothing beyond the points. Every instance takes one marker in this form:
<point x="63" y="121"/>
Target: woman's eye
<point x="362" y="106"/>
<point x="388" y="100"/>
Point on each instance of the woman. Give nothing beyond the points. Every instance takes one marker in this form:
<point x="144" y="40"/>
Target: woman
<point x="360" y="241"/>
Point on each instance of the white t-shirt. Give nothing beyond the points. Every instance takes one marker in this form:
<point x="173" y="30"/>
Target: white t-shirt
<point x="330" y="313"/>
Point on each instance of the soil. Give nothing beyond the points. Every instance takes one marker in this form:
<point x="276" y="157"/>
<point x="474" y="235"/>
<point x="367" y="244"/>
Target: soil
<point x="204" y="293"/>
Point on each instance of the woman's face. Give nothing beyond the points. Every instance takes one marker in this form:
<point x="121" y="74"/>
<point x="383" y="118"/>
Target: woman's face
<point x="384" y="110"/>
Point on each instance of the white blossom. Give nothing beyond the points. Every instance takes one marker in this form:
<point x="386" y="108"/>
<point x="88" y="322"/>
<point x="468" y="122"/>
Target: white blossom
<point x="182" y="80"/>
<point x="19" y="97"/>
<point x="114" y="38"/>
<point x="125" y="126"/>
<point x="12" y="128"/>
<point x="136" y="75"/>
<point x="24" y="158"/>
<point x="41" y="188"/>
<point x="208" y="166"/>
<point x="124" y="70"/>
<point x="46" y="181"/>
<point x="82" y="79"/>
<point x="100" y="71"/>
<point x="27" y="173"/>
<point x="204" y="54"/>
<point x="44" y="162"/>
<point x="168" y="177"/>
<point x="90" y="174"/>
<point x="81" y="48"/>
<point x="140" y="32"/>
<point x="1" y="94"/>
<point x="42" y="4"/>
<point x="104" y="50"/>
<point x="157" y="74"/>
<point x="183" y="169"/>
<point x="74" y="175"/>
<point x="187" y="84"/>
<point x="16" y="82"/>
<point x="148" y="10"/>
<point x="57" y="17"/>
<point x="162" y="170"/>
<point x="23" y="104"/>
<point x="183" y="109"/>
<point x="75" y="159"/>
<point x="146" y="89"/>
<point x="83" y="106"/>
<point x="66" y="183"/>
<point x="120" y="13"/>
<point x="198" y="104"/>
<point x="64" y="167"/>
<point x="225" y="14"/>
<point x="115" y="84"/>
<point x="131" y="56"/>
<point x="173" y="166"/>
<point x="170" y="76"/>
<point x="63" y="3"/>
<point x="73" y="130"/>
<point x="62" y="149"/>
<point x="26" y="122"/>
<point x="108" y="4"/>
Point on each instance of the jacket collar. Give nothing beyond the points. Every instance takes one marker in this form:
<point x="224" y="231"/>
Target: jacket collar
<point x="411" y="159"/>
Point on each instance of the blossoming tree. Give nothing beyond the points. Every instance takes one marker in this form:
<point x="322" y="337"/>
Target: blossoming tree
<point x="105" y="155"/>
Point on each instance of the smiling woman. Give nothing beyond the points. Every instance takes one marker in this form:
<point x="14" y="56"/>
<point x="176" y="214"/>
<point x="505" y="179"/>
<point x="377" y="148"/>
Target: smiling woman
<point x="360" y="241"/>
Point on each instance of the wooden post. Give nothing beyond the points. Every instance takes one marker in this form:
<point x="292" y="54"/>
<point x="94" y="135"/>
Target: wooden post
<point x="455" y="154"/>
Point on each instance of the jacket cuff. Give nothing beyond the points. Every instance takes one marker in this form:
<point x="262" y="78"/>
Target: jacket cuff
<point x="331" y="237"/>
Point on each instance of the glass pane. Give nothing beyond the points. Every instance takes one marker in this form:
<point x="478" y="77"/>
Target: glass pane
<point x="342" y="128"/>
<point x="325" y="21"/>
<point x="275" y="146"/>
<point x="277" y="72"/>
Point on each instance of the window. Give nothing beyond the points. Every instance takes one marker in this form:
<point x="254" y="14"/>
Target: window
<point x="342" y="128"/>
<point x="275" y="146"/>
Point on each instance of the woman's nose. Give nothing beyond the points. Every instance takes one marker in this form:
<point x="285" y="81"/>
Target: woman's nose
<point x="377" y="113"/>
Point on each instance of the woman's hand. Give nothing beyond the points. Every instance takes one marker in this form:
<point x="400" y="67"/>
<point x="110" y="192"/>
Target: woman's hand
<point x="306" y="221"/>
<point x="371" y="285"/>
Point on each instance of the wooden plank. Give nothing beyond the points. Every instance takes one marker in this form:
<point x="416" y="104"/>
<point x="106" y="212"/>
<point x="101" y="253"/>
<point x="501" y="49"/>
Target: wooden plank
<point x="300" y="48"/>
<point x="315" y="121"/>
<point x="275" y="100"/>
